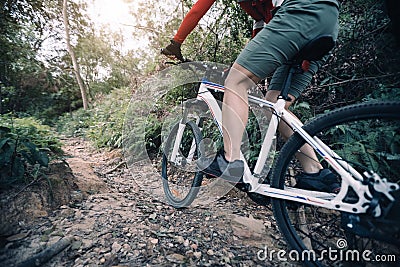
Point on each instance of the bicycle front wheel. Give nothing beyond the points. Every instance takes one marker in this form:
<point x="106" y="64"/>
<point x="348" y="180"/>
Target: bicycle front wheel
<point x="181" y="180"/>
<point x="366" y="136"/>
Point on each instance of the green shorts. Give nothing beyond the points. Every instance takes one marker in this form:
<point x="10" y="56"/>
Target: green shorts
<point x="295" y="24"/>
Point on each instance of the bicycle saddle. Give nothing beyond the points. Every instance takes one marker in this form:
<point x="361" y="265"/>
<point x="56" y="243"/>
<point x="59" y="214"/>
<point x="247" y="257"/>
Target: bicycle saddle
<point x="316" y="48"/>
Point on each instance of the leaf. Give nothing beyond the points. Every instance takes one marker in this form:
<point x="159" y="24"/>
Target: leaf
<point x="36" y="155"/>
<point x="303" y="105"/>
<point x="3" y="141"/>
<point x="7" y="153"/>
<point x="29" y="145"/>
<point x="43" y="159"/>
<point x="28" y="157"/>
<point x="4" y="131"/>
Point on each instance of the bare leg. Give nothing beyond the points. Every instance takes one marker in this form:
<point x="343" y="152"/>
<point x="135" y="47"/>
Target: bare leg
<point x="235" y="115"/>
<point x="307" y="157"/>
<point x="235" y="109"/>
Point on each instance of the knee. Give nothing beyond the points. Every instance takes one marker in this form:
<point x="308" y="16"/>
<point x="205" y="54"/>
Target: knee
<point x="240" y="79"/>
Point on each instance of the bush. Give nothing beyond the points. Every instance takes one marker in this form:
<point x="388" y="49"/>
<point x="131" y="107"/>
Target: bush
<point x="25" y="146"/>
<point x="102" y="124"/>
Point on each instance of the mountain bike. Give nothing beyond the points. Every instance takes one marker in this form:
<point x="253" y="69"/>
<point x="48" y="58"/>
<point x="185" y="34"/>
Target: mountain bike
<point x="360" y="143"/>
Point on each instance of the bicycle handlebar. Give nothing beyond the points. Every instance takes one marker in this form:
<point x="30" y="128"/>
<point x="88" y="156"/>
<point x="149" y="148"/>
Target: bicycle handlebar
<point x="209" y="70"/>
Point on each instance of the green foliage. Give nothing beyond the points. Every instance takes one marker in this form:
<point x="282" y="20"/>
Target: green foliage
<point x="221" y="35"/>
<point x="254" y="136"/>
<point x="25" y="145"/>
<point x="32" y="62"/>
<point x="378" y="149"/>
<point x="384" y="93"/>
<point x="103" y="123"/>
<point x="152" y="132"/>
<point x="75" y="123"/>
<point x="36" y="73"/>
<point x="366" y="59"/>
<point x="103" y="65"/>
<point x="302" y="109"/>
<point x="32" y="129"/>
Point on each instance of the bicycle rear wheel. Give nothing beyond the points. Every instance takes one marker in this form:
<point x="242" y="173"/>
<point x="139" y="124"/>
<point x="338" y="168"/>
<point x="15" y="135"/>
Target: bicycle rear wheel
<point x="367" y="136"/>
<point x="181" y="180"/>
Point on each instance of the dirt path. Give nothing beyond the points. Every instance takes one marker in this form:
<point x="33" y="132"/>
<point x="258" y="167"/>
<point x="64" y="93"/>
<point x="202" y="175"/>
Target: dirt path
<point x="111" y="222"/>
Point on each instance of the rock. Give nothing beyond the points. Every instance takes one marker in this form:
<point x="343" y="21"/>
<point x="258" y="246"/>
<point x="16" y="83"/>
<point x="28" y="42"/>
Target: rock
<point x="76" y="245"/>
<point x="153" y="241"/>
<point x="126" y="247"/>
<point x="53" y="240"/>
<point x="179" y="239"/>
<point x="247" y="227"/>
<point x="87" y="243"/>
<point x="176" y="258"/>
<point x="66" y="212"/>
<point x="197" y="254"/>
<point x="115" y="247"/>
<point x="17" y="237"/>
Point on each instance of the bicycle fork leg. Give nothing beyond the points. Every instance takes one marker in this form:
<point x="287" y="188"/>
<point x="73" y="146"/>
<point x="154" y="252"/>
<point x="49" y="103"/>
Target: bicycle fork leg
<point x="179" y="135"/>
<point x="178" y="140"/>
<point x="193" y="146"/>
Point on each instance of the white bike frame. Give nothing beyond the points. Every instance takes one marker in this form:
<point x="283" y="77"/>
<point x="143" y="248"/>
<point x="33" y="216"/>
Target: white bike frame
<point x="350" y="177"/>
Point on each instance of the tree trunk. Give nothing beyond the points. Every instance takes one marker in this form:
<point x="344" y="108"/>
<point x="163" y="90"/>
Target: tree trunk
<point x="73" y="58"/>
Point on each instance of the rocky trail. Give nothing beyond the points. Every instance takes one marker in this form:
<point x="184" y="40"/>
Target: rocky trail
<point x="99" y="216"/>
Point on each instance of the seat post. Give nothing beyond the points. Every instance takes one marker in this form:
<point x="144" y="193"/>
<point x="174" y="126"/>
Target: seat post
<point x="312" y="51"/>
<point x="293" y="68"/>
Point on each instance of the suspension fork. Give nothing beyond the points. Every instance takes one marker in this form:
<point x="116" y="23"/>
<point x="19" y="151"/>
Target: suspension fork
<point x="179" y="134"/>
<point x="181" y="129"/>
<point x="199" y="122"/>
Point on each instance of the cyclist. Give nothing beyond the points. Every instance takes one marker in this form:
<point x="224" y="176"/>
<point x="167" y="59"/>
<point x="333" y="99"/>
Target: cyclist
<point x="295" y="24"/>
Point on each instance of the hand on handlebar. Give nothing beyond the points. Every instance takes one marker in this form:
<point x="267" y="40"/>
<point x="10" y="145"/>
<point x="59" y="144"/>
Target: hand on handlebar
<point x="173" y="51"/>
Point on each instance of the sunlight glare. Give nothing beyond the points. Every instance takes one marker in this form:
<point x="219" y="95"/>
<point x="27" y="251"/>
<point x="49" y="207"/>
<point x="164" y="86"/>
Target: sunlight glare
<point x="115" y="13"/>
<point x="116" y="16"/>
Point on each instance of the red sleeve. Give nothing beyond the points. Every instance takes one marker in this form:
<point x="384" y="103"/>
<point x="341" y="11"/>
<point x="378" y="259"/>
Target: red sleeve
<point x="192" y="18"/>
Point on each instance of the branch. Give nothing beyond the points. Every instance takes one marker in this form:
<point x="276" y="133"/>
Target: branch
<point x="28" y="185"/>
<point x="140" y="27"/>
<point x="357" y="80"/>
<point x="116" y="167"/>
<point x="44" y="256"/>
